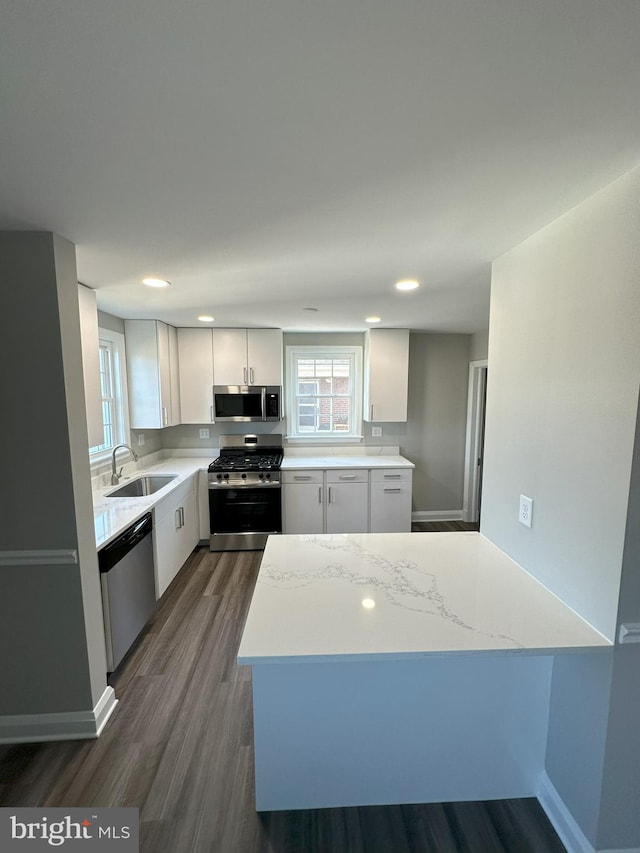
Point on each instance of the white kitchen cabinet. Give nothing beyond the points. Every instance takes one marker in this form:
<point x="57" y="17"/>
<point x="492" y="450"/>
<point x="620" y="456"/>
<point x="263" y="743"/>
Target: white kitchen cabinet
<point x="152" y="371"/>
<point x="247" y="356"/>
<point x="390" y="499"/>
<point x="332" y="501"/>
<point x="303" y="502"/>
<point x="195" y="359"/>
<point x="91" y="363"/>
<point x="175" y="532"/>
<point x="386" y="375"/>
<point x="347" y="499"/>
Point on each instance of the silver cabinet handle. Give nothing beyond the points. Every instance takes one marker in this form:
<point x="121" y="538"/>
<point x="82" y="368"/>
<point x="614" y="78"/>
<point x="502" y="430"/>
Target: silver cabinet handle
<point x="165" y="416"/>
<point x="319" y="494"/>
<point x="329" y="494"/>
<point x="347" y="476"/>
<point x="392" y="490"/>
<point x="182" y="514"/>
<point x="211" y="410"/>
<point x="178" y="524"/>
<point x="392" y="476"/>
<point x="371" y="412"/>
<point x="302" y="476"/>
<point x="244" y="375"/>
<point x="251" y="376"/>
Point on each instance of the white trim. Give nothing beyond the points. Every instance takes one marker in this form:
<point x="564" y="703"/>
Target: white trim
<point x="437" y="515"/>
<point x="562" y="820"/>
<point x="57" y="557"/>
<point x="70" y="725"/>
<point x="472" y="440"/>
<point x="354" y="353"/>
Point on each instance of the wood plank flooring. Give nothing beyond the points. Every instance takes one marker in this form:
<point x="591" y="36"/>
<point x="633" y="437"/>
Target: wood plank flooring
<point x="179" y="747"/>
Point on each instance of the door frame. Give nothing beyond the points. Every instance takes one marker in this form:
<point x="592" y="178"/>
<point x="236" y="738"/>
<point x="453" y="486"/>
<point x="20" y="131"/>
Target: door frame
<point x="475" y="418"/>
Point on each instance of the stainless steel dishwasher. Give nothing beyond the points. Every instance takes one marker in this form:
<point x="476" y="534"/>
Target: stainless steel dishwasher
<point x="128" y="588"/>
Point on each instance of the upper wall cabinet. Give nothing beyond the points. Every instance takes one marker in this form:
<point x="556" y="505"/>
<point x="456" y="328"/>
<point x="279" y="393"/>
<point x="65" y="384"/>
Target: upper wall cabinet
<point x="195" y="356"/>
<point x="247" y="356"/>
<point x="90" y="363"/>
<point x="152" y="371"/>
<point x="386" y="374"/>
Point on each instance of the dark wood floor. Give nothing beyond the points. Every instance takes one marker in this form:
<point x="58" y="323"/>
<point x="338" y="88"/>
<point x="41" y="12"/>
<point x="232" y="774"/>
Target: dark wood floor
<point x="179" y="747"/>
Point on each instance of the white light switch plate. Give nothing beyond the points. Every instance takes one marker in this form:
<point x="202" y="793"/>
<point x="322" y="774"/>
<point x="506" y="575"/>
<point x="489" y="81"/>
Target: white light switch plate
<point x="526" y="511"/>
<point x="204" y="433"/>
<point x="376" y="432"/>
<point x="140" y="439"/>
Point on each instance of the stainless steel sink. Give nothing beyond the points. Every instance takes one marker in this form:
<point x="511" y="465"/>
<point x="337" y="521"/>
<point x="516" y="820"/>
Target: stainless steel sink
<point x="141" y="486"/>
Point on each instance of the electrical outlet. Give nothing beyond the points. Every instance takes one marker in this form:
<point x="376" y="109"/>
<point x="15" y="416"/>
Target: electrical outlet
<point x="204" y="433"/>
<point x="376" y="432"/>
<point x="140" y="439"/>
<point x="525" y="516"/>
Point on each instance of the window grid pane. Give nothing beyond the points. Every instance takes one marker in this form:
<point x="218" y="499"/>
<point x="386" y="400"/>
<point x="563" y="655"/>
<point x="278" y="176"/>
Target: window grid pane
<point x="105" y="354"/>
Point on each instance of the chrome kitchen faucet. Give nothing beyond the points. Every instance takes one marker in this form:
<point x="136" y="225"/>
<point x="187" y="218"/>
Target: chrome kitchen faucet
<point x="115" y="475"/>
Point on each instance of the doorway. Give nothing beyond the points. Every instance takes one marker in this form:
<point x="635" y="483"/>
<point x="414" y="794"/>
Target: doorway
<point x="474" y="448"/>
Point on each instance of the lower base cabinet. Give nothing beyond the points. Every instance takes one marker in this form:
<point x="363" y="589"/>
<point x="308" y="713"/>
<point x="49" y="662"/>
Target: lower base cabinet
<point x="176" y="532"/>
<point x="346" y="501"/>
<point x="391" y="501"/>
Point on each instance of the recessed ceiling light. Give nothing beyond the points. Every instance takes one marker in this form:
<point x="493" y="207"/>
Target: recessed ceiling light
<point x="156" y="282"/>
<point x="368" y="603"/>
<point x="206" y="318"/>
<point x="407" y="284"/>
<point x="372" y="319"/>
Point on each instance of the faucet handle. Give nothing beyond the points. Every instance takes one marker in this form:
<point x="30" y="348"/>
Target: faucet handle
<point x="120" y="472"/>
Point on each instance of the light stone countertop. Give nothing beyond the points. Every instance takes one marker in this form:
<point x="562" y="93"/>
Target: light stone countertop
<point x="112" y="516"/>
<point x="433" y="593"/>
<point x="366" y="461"/>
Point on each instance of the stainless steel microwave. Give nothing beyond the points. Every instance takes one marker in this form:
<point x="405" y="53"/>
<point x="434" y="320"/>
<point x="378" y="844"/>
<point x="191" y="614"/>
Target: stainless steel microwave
<point x="246" y="402"/>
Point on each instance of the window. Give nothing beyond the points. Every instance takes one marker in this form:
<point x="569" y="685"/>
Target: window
<point x="324" y="399"/>
<point x="115" y="415"/>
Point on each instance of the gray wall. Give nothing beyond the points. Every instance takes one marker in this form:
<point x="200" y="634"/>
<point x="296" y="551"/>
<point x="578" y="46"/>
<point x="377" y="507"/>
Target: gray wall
<point x="564" y="372"/>
<point x="55" y="659"/>
<point x="111" y="322"/>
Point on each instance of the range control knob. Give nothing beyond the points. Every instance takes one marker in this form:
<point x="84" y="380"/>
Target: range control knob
<point x="268" y="476"/>
<point x="226" y="476"/>
<point x="260" y="476"/>
<point x="244" y="476"/>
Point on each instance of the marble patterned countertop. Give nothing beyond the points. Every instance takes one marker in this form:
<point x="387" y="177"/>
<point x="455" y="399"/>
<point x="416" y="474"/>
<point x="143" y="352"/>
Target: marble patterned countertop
<point x="382" y="596"/>
<point x="366" y="461"/>
<point x="112" y="516"/>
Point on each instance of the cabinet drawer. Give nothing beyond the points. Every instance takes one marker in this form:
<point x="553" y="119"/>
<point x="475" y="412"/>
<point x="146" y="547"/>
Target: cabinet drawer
<point x="348" y="475"/>
<point x="391" y="475"/>
<point x="308" y="476"/>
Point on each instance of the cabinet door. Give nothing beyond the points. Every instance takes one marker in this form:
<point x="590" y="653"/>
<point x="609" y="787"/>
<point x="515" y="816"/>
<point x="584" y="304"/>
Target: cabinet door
<point x="188" y="531"/>
<point x="386" y="375"/>
<point x="174" y="378"/>
<point x="264" y="356"/>
<point x="347" y="507"/>
<point x="143" y="373"/>
<point x="302" y="508"/>
<point x="168" y="549"/>
<point x="195" y="360"/>
<point x="230" y="357"/>
<point x="391" y="506"/>
<point x="90" y="363"/>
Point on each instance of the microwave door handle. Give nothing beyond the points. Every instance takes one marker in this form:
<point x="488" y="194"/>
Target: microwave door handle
<point x="263" y="402"/>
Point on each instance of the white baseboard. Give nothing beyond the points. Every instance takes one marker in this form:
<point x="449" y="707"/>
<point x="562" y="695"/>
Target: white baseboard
<point x="70" y="725"/>
<point x="437" y="515"/>
<point x="562" y="820"/>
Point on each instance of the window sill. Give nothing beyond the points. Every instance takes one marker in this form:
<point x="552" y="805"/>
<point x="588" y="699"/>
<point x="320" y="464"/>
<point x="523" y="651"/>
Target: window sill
<point x="323" y="439"/>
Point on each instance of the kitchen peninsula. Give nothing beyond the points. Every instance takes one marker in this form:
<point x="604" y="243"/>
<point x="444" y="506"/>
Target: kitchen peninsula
<point x="399" y="668"/>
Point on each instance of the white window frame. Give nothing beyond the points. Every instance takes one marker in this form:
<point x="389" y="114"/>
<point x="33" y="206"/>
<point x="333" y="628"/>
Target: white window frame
<point x="121" y="433"/>
<point x="293" y="353"/>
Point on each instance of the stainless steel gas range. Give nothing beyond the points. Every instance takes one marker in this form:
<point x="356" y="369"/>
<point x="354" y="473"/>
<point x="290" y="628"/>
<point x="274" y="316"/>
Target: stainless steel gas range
<point x="244" y="492"/>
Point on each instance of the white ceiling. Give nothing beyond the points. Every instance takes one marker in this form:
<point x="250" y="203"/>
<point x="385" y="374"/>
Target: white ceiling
<point x="272" y="155"/>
